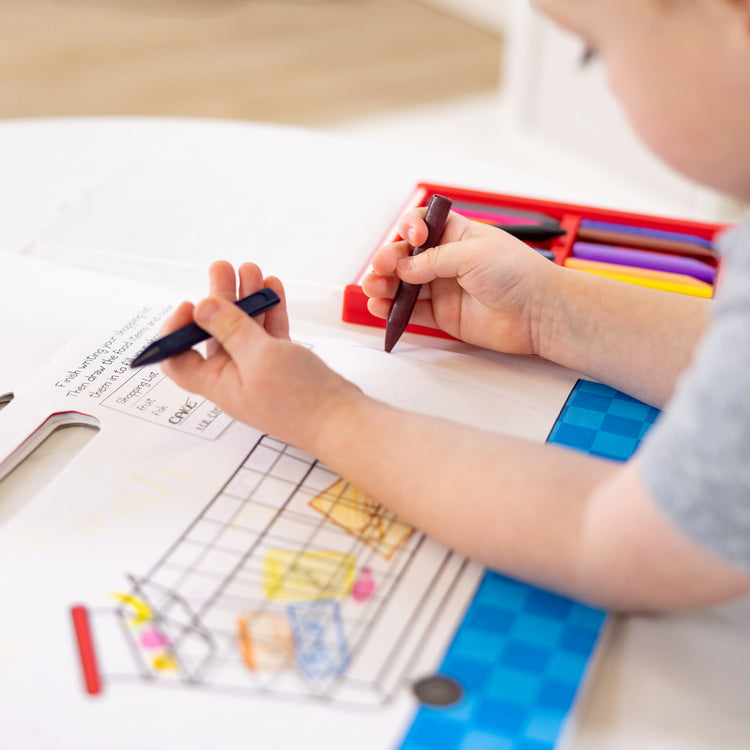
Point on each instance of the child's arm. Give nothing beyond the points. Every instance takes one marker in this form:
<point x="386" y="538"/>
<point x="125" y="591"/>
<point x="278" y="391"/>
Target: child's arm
<point x="485" y="287"/>
<point x="557" y="518"/>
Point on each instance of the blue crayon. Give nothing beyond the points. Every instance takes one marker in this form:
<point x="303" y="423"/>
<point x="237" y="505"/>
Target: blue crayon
<point x="546" y="253"/>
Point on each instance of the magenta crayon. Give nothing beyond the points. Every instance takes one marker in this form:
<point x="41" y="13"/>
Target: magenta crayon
<point x="498" y="217"/>
<point x="501" y="210"/>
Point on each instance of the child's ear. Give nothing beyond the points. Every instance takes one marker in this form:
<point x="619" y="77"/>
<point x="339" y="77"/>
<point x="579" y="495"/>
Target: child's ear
<point x="740" y="11"/>
<point x="740" y="6"/>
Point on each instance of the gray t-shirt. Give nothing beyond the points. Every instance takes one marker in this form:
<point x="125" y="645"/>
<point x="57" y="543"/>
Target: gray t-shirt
<point x="695" y="462"/>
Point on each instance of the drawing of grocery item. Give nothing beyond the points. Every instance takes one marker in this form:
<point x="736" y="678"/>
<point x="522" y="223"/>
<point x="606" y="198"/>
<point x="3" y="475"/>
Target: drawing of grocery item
<point x="266" y="640"/>
<point x="265" y="592"/>
<point x="300" y="575"/>
<point x="148" y="633"/>
<point x="364" y="586"/>
<point x="362" y="516"/>
<point x="141" y="611"/>
<point x="320" y="641"/>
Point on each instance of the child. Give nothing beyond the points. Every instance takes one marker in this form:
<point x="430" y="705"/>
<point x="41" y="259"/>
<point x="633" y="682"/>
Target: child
<point x="671" y="527"/>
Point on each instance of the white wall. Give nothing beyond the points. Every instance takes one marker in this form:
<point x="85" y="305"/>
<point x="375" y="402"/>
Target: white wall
<point x="556" y="111"/>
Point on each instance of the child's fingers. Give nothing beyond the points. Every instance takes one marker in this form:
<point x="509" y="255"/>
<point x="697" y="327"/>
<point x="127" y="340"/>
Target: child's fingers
<point x="251" y="279"/>
<point x="385" y="259"/>
<point x="386" y="286"/>
<point x="412" y="228"/>
<point x="230" y="326"/>
<point x="422" y="314"/>
<point x="457" y="228"/>
<point x="380" y="307"/>
<point x="222" y="281"/>
<point x="449" y="260"/>
<point x="374" y="285"/>
<point x="179" y="317"/>
<point x="187" y="370"/>
<point x="277" y="318"/>
<point x="220" y="374"/>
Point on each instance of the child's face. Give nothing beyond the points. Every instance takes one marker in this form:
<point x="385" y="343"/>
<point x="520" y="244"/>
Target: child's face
<point x="681" y="70"/>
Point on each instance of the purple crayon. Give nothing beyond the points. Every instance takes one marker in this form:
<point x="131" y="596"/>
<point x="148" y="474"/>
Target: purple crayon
<point x="625" y="256"/>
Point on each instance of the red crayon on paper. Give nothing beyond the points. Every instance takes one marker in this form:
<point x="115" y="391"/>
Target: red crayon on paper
<point x="89" y="665"/>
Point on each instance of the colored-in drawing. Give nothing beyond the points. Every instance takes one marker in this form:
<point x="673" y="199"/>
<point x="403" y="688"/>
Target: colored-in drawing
<point x="290" y="581"/>
<point x="266" y="640"/>
<point x="152" y="640"/>
<point x="359" y="514"/>
<point x="141" y="610"/>
<point x="298" y="575"/>
<point x="364" y="586"/>
<point x="319" y="637"/>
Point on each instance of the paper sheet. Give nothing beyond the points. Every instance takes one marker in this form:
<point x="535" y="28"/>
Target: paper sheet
<point x="270" y="600"/>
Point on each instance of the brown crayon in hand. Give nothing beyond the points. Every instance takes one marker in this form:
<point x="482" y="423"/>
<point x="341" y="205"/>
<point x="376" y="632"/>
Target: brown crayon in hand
<point x="438" y="209"/>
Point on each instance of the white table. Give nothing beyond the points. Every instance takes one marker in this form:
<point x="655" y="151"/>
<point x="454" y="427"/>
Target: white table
<point x="675" y="681"/>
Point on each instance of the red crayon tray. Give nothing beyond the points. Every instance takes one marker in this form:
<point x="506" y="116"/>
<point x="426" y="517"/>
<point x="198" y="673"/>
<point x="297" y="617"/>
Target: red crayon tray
<point x="569" y="216"/>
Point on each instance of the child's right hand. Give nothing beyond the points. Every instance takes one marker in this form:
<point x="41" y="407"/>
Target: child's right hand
<point x="481" y="284"/>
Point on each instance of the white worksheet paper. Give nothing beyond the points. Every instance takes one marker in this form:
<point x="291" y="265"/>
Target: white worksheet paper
<point x="171" y="526"/>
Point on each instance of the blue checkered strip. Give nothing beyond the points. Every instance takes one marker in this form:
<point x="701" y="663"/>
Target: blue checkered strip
<point x="521" y="653"/>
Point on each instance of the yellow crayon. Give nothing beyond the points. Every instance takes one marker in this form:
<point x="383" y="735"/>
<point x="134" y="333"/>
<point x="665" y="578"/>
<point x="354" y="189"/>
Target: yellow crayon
<point x="665" y="280"/>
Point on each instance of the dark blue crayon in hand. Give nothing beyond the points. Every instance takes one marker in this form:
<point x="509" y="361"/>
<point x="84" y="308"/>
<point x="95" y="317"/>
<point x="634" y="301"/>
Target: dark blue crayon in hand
<point x="188" y="336"/>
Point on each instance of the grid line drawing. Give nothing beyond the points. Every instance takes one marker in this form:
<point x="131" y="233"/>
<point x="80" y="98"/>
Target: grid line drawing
<point x="289" y="581"/>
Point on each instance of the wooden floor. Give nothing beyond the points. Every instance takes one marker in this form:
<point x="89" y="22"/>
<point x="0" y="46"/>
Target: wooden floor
<point x="306" y="62"/>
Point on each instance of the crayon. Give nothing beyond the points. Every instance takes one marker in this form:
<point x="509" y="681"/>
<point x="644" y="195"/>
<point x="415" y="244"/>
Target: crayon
<point x="489" y="208"/>
<point x="188" y="336"/>
<point x="675" y="247"/>
<point x="626" y="256"/>
<point x="532" y="232"/>
<point x="528" y="232"/>
<point x="500" y="217"/>
<point x="546" y="253"/>
<point x="669" y="282"/>
<point x="609" y="226"/>
<point x="521" y="227"/>
<point x="406" y="295"/>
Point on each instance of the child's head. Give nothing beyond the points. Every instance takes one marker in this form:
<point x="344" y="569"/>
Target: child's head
<point x="681" y="70"/>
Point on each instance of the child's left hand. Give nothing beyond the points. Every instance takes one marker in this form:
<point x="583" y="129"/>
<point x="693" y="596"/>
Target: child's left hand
<point x="252" y="370"/>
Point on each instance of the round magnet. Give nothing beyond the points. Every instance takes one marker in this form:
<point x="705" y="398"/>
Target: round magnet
<point x="438" y="690"/>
